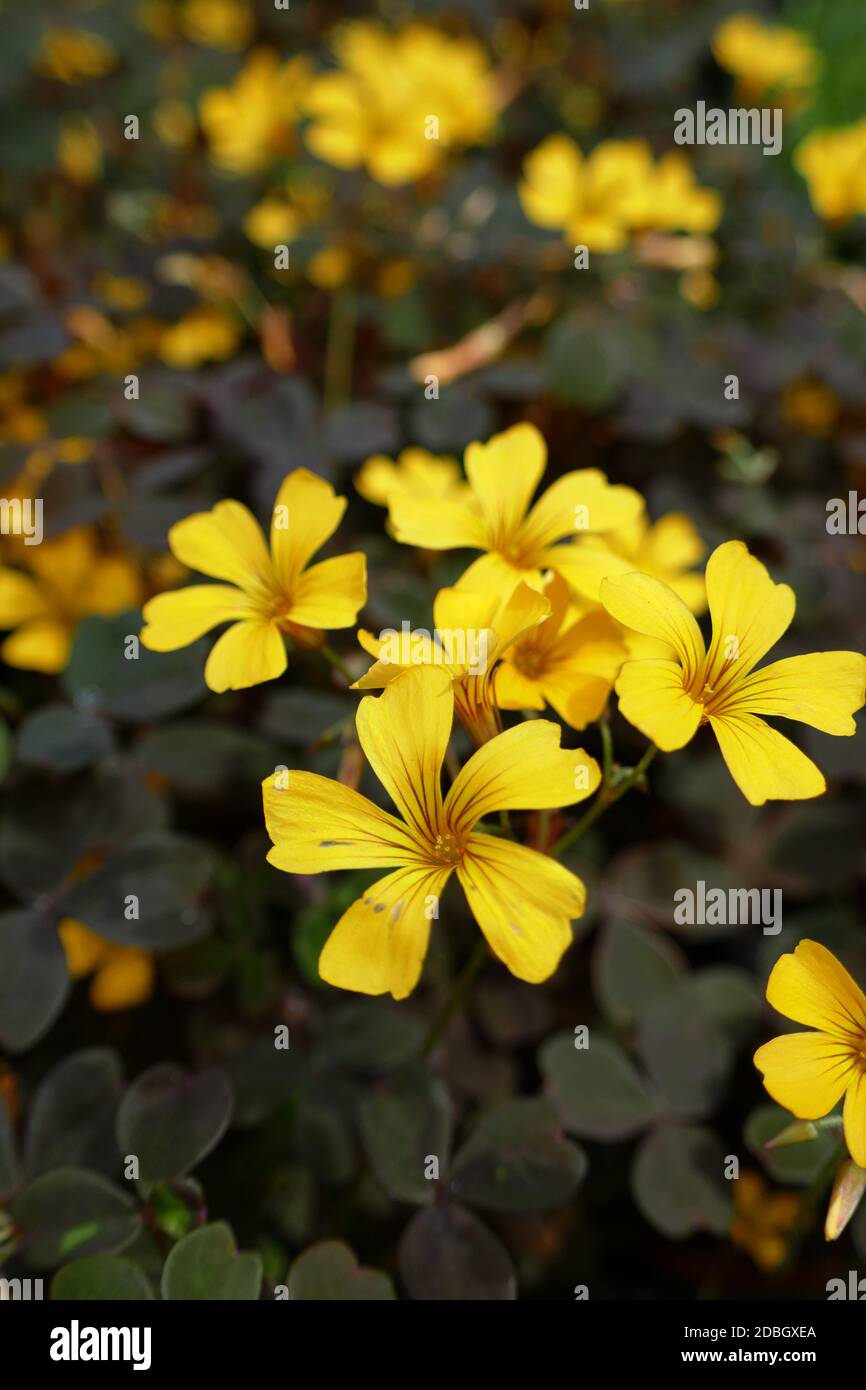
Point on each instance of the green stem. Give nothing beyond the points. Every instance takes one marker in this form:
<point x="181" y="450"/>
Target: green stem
<point x="609" y="794"/>
<point x="339" y="349"/>
<point x="337" y="662"/>
<point x="607" y="747"/>
<point x="462" y="984"/>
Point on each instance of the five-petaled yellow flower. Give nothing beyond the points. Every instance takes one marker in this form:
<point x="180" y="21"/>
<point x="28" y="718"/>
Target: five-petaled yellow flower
<point x="809" y="1073"/>
<point x="669" y="700"/>
<point x="520" y="541"/>
<point x="568" y="661"/>
<point x="471" y="634"/>
<point x="269" y="595"/>
<point x="70" y="577"/>
<point x="523" y="901"/>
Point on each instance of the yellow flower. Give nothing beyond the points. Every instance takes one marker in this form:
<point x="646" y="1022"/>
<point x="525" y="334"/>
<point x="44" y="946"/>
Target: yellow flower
<point x="330" y="267"/>
<point x="568" y="661"/>
<point x="472" y="632"/>
<point x="520" y="543"/>
<point x="79" y="151"/>
<point x="765" y="57"/>
<point x="809" y="1073"/>
<point x="122" y="292"/>
<point x="810" y="406"/>
<point x="600" y="199"/>
<point x="397" y="101"/>
<point x="249" y="123"/>
<point x="70" y="579"/>
<point x="226" y="24"/>
<point x="123" y="976"/>
<point x="762" y="1219"/>
<point x="268" y="594"/>
<point x="523" y="901"/>
<point x="206" y="334"/>
<point x="833" y="163"/>
<point x="416" y="473"/>
<point x="669" y="200"/>
<point x="271" y="222"/>
<point x="75" y="55"/>
<point x="669" y="700"/>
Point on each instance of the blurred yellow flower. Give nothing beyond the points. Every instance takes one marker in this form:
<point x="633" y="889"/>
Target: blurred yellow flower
<point x="762" y="1220"/>
<point x="599" y="200"/>
<point x="79" y="150"/>
<point x="810" y="406"/>
<point x="809" y="1073"/>
<point x="69" y="578"/>
<point x="519" y="540"/>
<point x="271" y="222"/>
<point x="398" y="101"/>
<point x="75" y="55"/>
<point x="224" y="24"/>
<point x="174" y="123"/>
<point x="471" y="633"/>
<point x="416" y="473"/>
<point x="765" y="58"/>
<point x="123" y="292"/>
<point x="568" y="661"/>
<point x="668" y="549"/>
<point x="330" y="267"/>
<point x="123" y="976"/>
<point x="269" y="594"/>
<point x="670" y="700"/>
<point x="249" y="123"/>
<point x="206" y="334"/>
<point x="833" y="163"/>
<point x="523" y="901"/>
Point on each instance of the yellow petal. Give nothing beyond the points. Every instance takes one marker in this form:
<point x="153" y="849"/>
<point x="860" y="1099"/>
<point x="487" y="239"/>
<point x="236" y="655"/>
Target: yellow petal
<point x="84" y="949"/>
<point x="765" y="765"/>
<point x="805" y="1072"/>
<point x="328" y="595"/>
<point x="20" y="599"/>
<point x="306" y="513"/>
<point x="523" y="902"/>
<point x="317" y="824"/>
<point x="177" y="618"/>
<point x="436" y="523"/>
<point x="493" y="575"/>
<point x="524" y="610"/>
<point x="225" y="543"/>
<point x="248" y="653"/>
<point x="523" y="769"/>
<point x="42" y="645"/>
<point x="855" y="1119"/>
<point x="822" y="689"/>
<point x="641" y="602"/>
<point x="582" y="501"/>
<point x="578" y="699"/>
<point x="124" y="981"/>
<point x="112" y="585"/>
<point x="404" y="733"/>
<point x="749" y="613"/>
<point x="585" y="567"/>
<point x="504" y="474"/>
<point x="378" y="946"/>
<point x="811" y="986"/>
<point x="673" y="543"/>
<point x="653" y="698"/>
<point x="514" y="690"/>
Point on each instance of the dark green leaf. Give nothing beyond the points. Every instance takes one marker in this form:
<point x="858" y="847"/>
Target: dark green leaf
<point x="71" y="1212"/>
<point x="447" y="1254"/>
<point x="404" y="1124"/>
<point x="679" y="1184"/>
<point x="171" y="1119"/>
<point x="72" y="1114"/>
<point x="596" y="1090"/>
<point x="329" y="1271"/>
<point x="101" y="1278"/>
<point x="207" y="1265"/>
<point x="161" y="877"/>
<point x="62" y="739"/>
<point x="518" y="1159"/>
<point x="34" y="981"/>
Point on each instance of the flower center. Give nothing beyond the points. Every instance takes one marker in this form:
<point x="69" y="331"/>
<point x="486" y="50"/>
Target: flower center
<point x="448" y="848"/>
